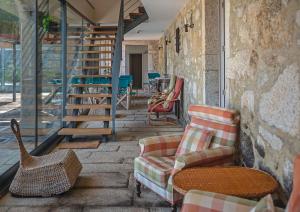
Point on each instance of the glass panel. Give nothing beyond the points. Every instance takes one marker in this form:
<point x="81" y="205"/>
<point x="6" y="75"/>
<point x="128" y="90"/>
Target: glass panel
<point x="17" y="78"/>
<point x="74" y="56"/>
<point x="50" y="76"/>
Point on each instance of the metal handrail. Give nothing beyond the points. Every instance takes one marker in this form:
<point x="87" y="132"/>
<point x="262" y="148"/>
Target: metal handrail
<point x="117" y="63"/>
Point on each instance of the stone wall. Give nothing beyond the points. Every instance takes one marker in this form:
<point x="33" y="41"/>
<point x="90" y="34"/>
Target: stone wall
<point x="262" y="75"/>
<point x="198" y="59"/>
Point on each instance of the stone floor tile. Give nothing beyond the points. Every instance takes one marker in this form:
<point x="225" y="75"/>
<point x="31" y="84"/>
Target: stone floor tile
<point x="167" y="209"/>
<point x="97" y="197"/>
<point x="44" y="209"/>
<point x="9" y="200"/>
<point x="149" y="199"/>
<point x="102" y="180"/>
<point x="109" y="157"/>
<point x="116" y="209"/>
<point x="108" y="148"/>
<point x="106" y="167"/>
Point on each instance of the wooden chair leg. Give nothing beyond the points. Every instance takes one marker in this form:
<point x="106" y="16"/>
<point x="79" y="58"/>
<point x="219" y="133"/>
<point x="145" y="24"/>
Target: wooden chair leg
<point x="138" y="188"/>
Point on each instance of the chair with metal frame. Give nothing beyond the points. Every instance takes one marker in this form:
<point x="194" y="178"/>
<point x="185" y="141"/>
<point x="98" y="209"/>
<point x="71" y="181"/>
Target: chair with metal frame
<point x="166" y="105"/>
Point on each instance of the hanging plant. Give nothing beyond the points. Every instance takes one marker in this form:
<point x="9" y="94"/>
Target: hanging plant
<point x="46" y="21"/>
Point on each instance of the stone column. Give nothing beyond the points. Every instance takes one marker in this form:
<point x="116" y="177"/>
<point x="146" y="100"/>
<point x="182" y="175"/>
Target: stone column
<point x="212" y="51"/>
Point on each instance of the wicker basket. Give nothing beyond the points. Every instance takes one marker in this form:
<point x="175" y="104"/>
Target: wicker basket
<point x="46" y="175"/>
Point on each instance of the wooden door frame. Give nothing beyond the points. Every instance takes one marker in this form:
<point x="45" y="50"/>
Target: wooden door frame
<point x="141" y="79"/>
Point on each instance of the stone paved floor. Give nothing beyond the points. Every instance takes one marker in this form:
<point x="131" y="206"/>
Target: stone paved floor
<point x="106" y="182"/>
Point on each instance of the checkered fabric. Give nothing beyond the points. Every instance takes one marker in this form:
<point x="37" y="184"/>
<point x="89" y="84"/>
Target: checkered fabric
<point x="214" y="114"/>
<point x="156" y="169"/>
<point x="224" y="122"/>
<point x="209" y="157"/>
<point x="194" y="140"/>
<point x="225" y="134"/>
<point x="200" y="201"/>
<point x="160" y="145"/>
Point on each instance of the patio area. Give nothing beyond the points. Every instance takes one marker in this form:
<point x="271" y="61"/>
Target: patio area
<point x="106" y="182"/>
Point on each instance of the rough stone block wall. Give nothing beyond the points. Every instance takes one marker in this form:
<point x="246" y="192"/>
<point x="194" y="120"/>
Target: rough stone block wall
<point x="198" y="59"/>
<point x="262" y="74"/>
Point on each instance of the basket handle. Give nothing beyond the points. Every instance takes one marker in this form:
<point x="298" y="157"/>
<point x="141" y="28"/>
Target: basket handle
<point x="15" y="127"/>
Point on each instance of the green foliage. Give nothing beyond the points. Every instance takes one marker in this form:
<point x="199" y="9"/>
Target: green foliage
<point x="47" y="19"/>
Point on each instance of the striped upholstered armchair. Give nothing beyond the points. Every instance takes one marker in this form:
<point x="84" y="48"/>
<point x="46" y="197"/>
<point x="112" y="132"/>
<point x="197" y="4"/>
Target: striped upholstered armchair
<point x="159" y="161"/>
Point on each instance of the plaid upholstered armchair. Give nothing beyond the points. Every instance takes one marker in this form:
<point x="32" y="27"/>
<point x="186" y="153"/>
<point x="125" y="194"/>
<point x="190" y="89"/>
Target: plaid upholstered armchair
<point x="159" y="161"/>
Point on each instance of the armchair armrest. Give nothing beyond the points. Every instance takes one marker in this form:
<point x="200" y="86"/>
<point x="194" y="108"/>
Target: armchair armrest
<point x="208" y="157"/>
<point x="165" y="145"/>
<point x="196" y="200"/>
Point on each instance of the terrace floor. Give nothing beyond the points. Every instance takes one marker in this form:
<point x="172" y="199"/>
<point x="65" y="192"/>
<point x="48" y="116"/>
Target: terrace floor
<point x="106" y="182"/>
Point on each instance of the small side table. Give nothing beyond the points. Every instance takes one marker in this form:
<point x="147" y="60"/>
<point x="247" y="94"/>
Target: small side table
<point x="235" y="181"/>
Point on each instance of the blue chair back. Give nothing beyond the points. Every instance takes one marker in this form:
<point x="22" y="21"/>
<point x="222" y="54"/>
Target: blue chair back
<point x="123" y="83"/>
<point x="153" y="75"/>
<point x="129" y="77"/>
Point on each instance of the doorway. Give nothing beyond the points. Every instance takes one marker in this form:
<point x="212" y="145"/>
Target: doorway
<point x="136" y="70"/>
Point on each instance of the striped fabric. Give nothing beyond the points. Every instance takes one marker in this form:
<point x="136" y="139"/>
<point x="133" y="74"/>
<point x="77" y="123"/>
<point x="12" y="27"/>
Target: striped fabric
<point x="160" y="145"/>
<point x="214" y="114"/>
<point x="209" y="157"/>
<point x="224" y="122"/>
<point x="200" y="201"/>
<point x="225" y="134"/>
<point x="194" y="140"/>
<point x="156" y="169"/>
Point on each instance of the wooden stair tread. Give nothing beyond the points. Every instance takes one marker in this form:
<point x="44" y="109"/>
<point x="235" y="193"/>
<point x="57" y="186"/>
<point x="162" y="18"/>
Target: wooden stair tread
<point x="95" y="52"/>
<point x="87" y="118"/>
<point x="95" y="59"/>
<point x="91" y="85"/>
<point x="105" y="27"/>
<point x="88" y="106"/>
<point x="99" y="45"/>
<point x="90" y="95"/>
<point x="89" y="67"/>
<point x="85" y="131"/>
<point x="101" y="32"/>
<point x="101" y="39"/>
<point x="91" y="76"/>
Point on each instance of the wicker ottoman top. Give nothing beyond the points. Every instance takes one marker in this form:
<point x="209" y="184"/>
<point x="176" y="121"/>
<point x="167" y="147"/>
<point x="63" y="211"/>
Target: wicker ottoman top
<point x="235" y="181"/>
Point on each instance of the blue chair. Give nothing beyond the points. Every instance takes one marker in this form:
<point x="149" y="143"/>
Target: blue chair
<point x="152" y="82"/>
<point x="154" y="75"/>
<point x="124" y="91"/>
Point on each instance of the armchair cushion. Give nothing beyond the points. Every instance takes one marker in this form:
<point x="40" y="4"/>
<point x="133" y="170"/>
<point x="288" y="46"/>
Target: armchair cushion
<point x="165" y="145"/>
<point x="194" y="140"/>
<point x="200" y="201"/>
<point x="168" y="99"/>
<point x="208" y="157"/>
<point x="155" y="169"/>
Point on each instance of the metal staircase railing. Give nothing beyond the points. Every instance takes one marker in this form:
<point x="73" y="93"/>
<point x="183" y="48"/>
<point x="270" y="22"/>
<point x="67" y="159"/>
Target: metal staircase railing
<point x="117" y="57"/>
